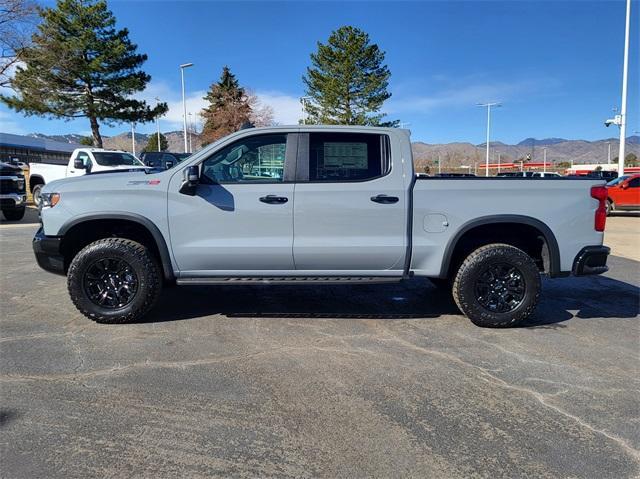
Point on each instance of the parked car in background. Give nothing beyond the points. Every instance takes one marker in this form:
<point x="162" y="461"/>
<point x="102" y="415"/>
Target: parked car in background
<point x="508" y="174"/>
<point x="83" y="161"/>
<point x="162" y="159"/>
<point x="13" y="193"/>
<point x="605" y="175"/>
<point x="453" y="175"/>
<point x="623" y="193"/>
<point x="546" y="174"/>
<point x="316" y="204"/>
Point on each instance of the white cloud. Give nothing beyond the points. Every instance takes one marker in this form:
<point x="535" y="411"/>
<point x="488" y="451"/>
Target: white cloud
<point x="286" y="108"/>
<point x="467" y="95"/>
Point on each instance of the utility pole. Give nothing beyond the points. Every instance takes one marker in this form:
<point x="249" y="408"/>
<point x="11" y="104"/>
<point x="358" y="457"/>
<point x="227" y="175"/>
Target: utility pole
<point x="184" y="104"/>
<point x="623" y="106"/>
<point x="439" y="164"/>
<point x="499" y="158"/>
<point x="488" y="105"/>
<point x="544" y="159"/>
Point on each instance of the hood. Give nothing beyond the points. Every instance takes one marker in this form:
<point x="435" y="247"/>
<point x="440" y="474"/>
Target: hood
<point x="104" y="180"/>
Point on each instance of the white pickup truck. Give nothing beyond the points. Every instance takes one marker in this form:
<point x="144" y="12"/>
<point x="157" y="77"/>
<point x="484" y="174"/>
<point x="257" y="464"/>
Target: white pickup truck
<point x="317" y="204"/>
<point x="82" y="162"/>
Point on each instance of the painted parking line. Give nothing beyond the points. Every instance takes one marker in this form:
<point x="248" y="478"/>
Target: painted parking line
<point x="18" y="225"/>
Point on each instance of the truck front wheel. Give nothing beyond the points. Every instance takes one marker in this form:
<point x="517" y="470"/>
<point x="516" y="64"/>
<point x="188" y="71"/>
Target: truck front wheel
<point x="14" y="214"/>
<point x="497" y="285"/>
<point x="114" y="280"/>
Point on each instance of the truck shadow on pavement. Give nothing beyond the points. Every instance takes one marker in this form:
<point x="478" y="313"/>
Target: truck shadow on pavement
<point x="562" y="299"/>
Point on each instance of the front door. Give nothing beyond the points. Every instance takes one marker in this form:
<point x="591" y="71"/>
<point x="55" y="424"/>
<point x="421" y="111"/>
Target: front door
<point x="350" y="205"/>
<point x="240" y="222"/>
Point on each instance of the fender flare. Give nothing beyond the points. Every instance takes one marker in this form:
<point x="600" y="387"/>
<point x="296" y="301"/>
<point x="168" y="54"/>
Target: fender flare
<point x="549" y="237"/>
<point x="165" y="257"/>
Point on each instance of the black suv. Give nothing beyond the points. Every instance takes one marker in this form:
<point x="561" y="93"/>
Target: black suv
<point x="162" y="159"/>
<point x="13" y="193"/>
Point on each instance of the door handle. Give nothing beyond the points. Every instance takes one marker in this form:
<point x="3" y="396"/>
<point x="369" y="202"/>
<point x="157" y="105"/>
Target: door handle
<point x="274" y="200"/>
<point x="385" y="200"/>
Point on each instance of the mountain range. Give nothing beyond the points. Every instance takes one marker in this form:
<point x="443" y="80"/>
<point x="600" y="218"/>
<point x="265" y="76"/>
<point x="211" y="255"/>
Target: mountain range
<point x="450" y="154"/>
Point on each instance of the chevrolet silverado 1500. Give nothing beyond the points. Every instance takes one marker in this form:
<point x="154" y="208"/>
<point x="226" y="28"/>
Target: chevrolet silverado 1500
<point x="316" y="204"/>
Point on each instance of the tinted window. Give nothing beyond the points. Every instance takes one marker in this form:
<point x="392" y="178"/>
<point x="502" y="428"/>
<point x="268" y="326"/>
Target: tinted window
<point x="250" y="160"/>
<point x="347" y="156"/>
<point x="115" y="159"/>
<point x="634" y="183"/>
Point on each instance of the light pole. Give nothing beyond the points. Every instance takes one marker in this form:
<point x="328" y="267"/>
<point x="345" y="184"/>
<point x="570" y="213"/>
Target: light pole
<point x="303" y="102"/>
<point x="544" y="159"/>
<point x="623" y="106"/>
<point x="488" y="105"/>
<point x="609" y="153"/>
<point x="158" y="126"/>
<point x="133" y="138"/>
<point x="184" y="104"/>
<point x="190" y="132"/>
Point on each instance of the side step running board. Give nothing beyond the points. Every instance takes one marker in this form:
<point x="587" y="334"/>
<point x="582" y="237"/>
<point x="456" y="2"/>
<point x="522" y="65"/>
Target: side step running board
<point x="288" y="280"/>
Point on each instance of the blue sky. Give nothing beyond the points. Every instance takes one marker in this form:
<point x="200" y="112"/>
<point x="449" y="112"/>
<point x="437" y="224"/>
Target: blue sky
<point x="556" y="66"/>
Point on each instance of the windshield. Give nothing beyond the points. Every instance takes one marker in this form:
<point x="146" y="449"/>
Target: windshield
<point x="617" y="180"/>
<point x="112" y="158"/>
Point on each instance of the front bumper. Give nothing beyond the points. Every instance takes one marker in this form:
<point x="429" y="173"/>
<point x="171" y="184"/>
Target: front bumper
<point x="591" y="260"/>
<point x="13" y="200"/>
<point x="47" y="251"/>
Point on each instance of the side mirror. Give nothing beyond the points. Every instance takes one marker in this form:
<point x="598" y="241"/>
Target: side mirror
<point x="191" y="180"/>
<point x="624" y="186"/>
<point x="78" y="164"/>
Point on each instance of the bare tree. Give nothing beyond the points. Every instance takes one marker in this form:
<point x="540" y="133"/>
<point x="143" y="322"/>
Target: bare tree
<point x="17" y="21"/>
<point x="260" y="115"/>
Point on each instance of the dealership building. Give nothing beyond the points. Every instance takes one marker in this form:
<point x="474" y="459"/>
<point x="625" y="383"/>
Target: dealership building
<point x="28" y="149"/>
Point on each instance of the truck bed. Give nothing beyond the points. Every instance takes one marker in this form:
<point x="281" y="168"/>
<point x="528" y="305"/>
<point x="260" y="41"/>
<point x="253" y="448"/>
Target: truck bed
<point x="445" y="208"/>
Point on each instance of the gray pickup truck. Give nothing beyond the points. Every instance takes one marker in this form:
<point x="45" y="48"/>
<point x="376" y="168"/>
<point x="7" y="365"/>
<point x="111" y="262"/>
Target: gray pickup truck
<point x="316" y="204"/>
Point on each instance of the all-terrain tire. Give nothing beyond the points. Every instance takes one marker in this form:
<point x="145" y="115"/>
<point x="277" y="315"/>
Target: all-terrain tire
<point x="35" y="193"/>
<point x="473" y="270"/>
<point x="141" y="262"/>
<point x="14" y="214"/>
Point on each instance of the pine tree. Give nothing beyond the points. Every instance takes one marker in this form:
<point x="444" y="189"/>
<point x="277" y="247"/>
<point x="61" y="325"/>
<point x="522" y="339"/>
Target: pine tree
<point x="229" y="108"/>
<point x="80" y="65"/>
<point x="152" y="143"/>
<point x="347" y="82"/>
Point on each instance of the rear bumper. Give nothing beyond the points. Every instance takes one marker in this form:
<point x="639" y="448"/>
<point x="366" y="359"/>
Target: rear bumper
<point x="591" y="260"/>
<point x="47" y="251"/>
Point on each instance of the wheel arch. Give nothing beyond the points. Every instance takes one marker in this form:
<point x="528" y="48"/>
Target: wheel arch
<point x="491" y="229"/>
<point x="100" y="225"/>
<point x="35" y="180"/>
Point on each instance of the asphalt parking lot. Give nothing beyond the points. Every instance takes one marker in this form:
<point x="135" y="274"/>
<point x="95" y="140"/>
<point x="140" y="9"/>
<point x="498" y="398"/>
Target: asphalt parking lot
<point x="364" y="381"/>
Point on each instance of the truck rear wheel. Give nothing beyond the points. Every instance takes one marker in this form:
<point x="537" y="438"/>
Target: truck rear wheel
<point x="497" y="285"/>
<point x="114" y="280"/>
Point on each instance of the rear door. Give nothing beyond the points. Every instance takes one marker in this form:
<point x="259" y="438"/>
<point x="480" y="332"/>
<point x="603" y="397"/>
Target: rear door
<point x="350" y="205"/>
<point x="240" y="222"/>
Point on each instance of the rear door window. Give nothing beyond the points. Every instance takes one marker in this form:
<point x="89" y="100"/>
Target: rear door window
<point x="343" y="157"/>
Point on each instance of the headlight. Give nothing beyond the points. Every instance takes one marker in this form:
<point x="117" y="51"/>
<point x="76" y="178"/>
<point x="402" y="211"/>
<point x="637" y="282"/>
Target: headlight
<point x="49" y="200"/>
<point x="20" y="182"/>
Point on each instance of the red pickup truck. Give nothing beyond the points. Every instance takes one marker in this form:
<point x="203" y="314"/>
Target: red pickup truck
<point x="623" y="193"/>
